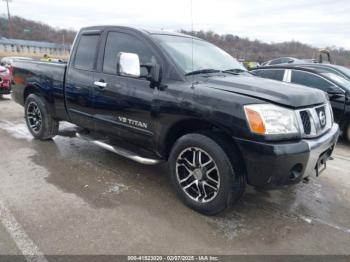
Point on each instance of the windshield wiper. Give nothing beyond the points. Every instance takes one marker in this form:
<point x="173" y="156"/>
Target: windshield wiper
<point x="235" y="71"/>
<point x="203" y="71"/>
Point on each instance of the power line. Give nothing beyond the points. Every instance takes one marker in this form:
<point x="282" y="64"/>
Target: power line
<point x="9" y="18"/>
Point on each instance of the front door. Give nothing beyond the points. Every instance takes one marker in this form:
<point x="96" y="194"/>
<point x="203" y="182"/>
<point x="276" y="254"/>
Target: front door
<point x="122" y="105"/>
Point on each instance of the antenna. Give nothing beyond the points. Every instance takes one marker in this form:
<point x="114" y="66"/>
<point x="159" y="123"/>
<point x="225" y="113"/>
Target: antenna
<point x="192" y="33"/>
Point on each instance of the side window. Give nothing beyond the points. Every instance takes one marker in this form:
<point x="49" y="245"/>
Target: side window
<point x="86" y="52"/>
<point x="121" y="42"/>
<point x="271" y="74"/>
<point x="276" y="61"/>
<point x="311" y="80"/>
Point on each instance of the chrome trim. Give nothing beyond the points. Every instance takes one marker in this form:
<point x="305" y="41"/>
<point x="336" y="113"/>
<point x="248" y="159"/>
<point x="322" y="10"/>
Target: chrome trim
<point x="100" y="84"/>
<point x="122" y="152"/>
<point x="316" y="128"/>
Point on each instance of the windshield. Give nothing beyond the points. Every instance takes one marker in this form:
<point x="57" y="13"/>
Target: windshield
<point x="338" y="80"/>
<point x="205" y="55"/>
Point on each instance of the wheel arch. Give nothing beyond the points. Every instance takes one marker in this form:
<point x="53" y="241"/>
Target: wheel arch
<point x="37" y="90"/>
<point x="29" y="90"/>
<point x="215" y="131"/>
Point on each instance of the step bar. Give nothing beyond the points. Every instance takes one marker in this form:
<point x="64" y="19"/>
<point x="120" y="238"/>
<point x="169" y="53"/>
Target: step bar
<point x="121" y="151"/>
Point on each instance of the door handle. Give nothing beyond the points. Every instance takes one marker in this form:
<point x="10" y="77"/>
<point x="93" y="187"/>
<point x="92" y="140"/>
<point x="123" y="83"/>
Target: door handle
<point x="100" y="84"/>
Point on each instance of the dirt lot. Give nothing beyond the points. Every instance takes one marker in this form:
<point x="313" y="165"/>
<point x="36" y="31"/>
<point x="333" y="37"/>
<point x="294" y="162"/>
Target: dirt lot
<point x="71" y="197"/>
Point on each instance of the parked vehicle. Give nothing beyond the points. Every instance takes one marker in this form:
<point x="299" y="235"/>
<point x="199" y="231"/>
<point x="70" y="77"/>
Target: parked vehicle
<point x="323" y="77"/>
<point x="310" y="61"/>
<point x="250" y="64"/>
<point x="328" y="68"/>
<point x="283" y="60"/>
<point x="8" y="61"/>
<point x="146" y="96"/>
<point x="5" y="81"/>
<point x="325" y="57"/>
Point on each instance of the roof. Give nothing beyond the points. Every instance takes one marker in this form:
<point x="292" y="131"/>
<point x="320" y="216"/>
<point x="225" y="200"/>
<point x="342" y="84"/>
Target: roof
<point x="8" y="41"/>
<point x="164" y="32"/>
<point x="302" y="67"/>
<point x="147" y="31"/>
<point x="286" y="66"/>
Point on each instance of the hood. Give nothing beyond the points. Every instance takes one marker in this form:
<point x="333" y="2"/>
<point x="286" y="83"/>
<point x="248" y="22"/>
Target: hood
<point x="278" y="92"/>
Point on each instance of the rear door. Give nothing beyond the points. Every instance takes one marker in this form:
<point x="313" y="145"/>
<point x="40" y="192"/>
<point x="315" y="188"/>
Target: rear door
<point x="122" y="105"/>
<point x="319" y="82"/>
<point x="80" y="79"/>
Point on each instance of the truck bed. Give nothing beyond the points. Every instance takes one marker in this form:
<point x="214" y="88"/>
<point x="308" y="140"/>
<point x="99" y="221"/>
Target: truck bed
<point x="50" y="76"/>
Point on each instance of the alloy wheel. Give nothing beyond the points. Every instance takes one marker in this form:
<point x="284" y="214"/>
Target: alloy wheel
<point x="34" y="117"/>
<point x="198" y="174"/>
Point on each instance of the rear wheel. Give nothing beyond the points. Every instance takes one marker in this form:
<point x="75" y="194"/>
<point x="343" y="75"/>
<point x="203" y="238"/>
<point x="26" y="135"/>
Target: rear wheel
<point x="203" y="174"/>
<point x="39" y="119"/>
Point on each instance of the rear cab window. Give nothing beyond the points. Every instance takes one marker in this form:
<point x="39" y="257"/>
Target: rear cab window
<point x="86" y="52"/>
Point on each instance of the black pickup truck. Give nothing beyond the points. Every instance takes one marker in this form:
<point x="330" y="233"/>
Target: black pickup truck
<point x="157" y="96"/>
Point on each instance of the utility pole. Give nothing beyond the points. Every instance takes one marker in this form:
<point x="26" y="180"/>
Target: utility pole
<point x="9" y="17"/>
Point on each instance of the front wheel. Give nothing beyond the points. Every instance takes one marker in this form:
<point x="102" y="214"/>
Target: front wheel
<point x="39" y="120"/>
<point x="204" y="176"/>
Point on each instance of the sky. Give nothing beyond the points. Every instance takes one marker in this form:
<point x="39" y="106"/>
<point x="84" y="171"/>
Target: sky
<point x="320" y="23"/>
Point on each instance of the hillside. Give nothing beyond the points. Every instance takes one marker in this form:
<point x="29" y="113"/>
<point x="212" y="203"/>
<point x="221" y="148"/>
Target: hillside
<point x="258" y="51"/>
<point x="37" y="31"/>
<point x="238" y="47"/>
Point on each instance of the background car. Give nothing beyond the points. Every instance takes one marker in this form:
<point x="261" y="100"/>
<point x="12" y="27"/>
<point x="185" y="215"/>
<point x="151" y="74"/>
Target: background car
<point x="250" y="64"/>
<point x="283" y="60"/>
<point x="337" y="87"/>
<point x="328" y="68"/>
<point x="8" y="61"/>
<point x="5" y="81"/>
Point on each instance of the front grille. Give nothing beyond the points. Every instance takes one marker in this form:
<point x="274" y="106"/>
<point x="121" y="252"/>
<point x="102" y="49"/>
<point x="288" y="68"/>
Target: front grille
<point x="305" y="119"/>
<point x="315" y="121"/>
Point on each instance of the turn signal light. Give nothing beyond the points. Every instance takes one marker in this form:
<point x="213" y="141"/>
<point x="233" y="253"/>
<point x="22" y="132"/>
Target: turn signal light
<point x="255" y="121"/>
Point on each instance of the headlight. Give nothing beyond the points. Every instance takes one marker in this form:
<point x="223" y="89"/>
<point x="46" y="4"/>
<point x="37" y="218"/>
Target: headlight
<point x="271" y="120"/>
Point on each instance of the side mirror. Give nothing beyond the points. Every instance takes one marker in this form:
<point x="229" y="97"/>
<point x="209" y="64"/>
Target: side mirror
<point x="154" y="73"/>
<point x="334" y="90"/>
<point x="128" y="64"/>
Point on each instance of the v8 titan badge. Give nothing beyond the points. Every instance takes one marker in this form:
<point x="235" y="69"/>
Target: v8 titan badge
<point x="132" y="122"/>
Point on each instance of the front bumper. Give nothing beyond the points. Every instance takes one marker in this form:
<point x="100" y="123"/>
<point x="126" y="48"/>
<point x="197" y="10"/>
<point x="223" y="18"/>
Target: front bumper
<point x="273" y="164"/>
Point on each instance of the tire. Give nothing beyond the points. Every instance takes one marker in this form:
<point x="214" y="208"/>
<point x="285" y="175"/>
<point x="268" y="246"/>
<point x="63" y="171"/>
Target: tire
<point x="39" y="118"/>
<point x="230" y="179"/>
<point x="346" y="132"/>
